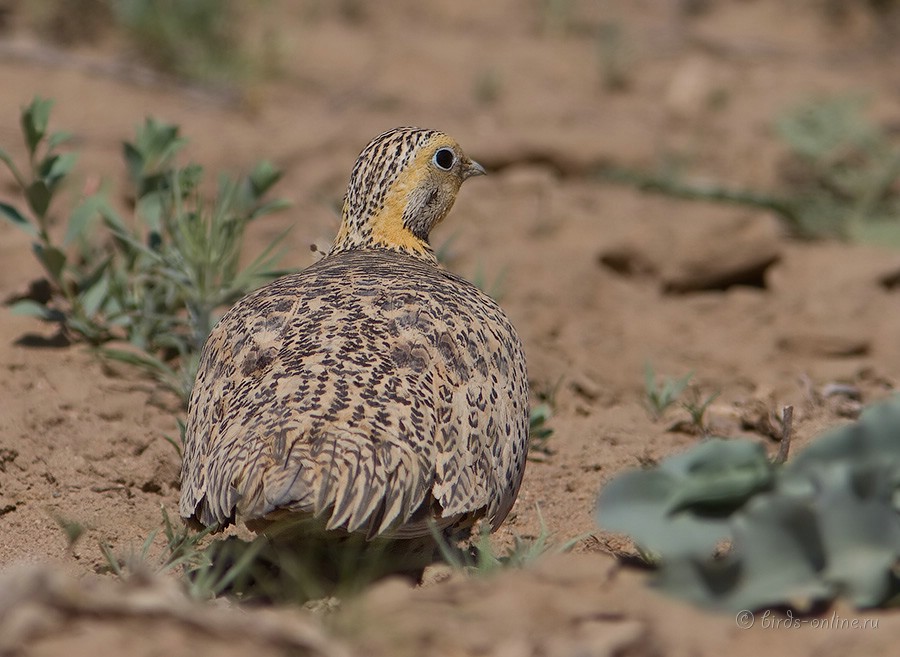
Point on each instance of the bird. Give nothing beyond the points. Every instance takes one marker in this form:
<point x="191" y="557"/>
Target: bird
<point x="373" y="392"/>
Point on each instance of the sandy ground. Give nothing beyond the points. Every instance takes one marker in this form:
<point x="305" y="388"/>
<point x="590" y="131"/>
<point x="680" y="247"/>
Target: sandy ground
<point x="525" y="90"/>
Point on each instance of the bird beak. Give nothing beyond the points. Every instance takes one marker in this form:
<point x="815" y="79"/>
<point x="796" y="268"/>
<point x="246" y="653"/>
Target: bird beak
<point x="473" y="169"/>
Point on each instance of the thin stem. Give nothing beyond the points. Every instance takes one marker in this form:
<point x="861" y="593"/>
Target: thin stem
<point x="787" y="426"/>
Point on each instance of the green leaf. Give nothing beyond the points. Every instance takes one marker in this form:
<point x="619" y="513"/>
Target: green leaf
<point x="681" y="507"/>
<point x="87" y="329"/>
<point x="15" y="217"/>
<point x="38" y="196"/>
<point x="143" y="360"/>
<point x="59" y="167"/>
<point x="88" y="279"/>
<point x="188" y="179"/>
<point x="719" y="473"/>
<point x="775" y="560"/>
<point x="35" y="118"/>
<point x="826" y="524"/>
<point x="58" y="139"/>
<point x="875" y="438"/>
<point x="263" y="177"/>
<point x="6" y="158"/>
<point x="538" y="430"/>
<point x="859" y="529"/>
<point x="150" y="209"/>
<point x="35" y="309"/>
<point x="276" y="205"/>
<point x="153" y="150"/>
<point x="53" y="260"/>
<point x="8" y="161"/>
<point x="82" y="217"/>
<point x="134" y="161"/>
<point x="112" y="220"/>
<point x="636" y="503"/>
<point x="92" y="298"/>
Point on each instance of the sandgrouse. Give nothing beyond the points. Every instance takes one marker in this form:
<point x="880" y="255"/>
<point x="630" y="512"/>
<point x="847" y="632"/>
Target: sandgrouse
<point x="374" y="390"/>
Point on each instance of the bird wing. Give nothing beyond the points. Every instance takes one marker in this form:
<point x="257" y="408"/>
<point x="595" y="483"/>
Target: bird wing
<point x="352" y="397"/>
<point x="482" y="429"/>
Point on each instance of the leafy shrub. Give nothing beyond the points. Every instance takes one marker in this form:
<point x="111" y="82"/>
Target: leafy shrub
<point x="155" y="279"/>
<point x="194" y="39"/>
<point x="824" y="525"/>
<point x="843" y="170"/>
<point x="841" y="176"/>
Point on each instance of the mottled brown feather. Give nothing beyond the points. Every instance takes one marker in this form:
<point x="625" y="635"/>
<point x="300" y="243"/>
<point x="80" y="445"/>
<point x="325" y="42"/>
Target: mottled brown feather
<point x="373" y="390"/>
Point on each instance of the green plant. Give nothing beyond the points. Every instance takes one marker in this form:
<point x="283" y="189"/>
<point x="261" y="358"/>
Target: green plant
<point x="297" y="561"/>
<point x="538" y="431"/>
<point x="696" y="406"/>
<point x="825" y="524"/>
<point x="182" y="551"/>
<point x="156" y="279"/>
<point x="844" y="169"/>
<point x="177" y="444"/>
<point x="842" y="172"/>
<point x="660" y="395"/>
<point x="71" y="278"/>
<point x="480" y="557"/>
<point x="194" y="39"/>
<point x="208" y="570"/>
<point x="181" y="261"/>
<point x="73" y="530"/>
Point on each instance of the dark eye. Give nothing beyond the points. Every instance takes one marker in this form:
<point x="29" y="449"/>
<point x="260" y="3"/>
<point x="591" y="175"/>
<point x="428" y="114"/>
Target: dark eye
<point x="444" y="159"/>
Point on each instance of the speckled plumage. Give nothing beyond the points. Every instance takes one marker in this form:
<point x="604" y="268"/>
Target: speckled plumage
<point x="372" y="390"/>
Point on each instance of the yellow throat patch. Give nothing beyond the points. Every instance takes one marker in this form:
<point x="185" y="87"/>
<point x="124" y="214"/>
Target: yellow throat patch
<point x="387" y="225"/>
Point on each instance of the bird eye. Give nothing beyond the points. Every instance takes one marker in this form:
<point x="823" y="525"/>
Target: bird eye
<point x="444" y="159"/>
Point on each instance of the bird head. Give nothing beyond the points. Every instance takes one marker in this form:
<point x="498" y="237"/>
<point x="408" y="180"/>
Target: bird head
<point x="402" y="186"/>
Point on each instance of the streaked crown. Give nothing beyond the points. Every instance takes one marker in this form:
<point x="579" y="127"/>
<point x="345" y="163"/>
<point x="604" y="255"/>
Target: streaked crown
<point x="403" y="185"/>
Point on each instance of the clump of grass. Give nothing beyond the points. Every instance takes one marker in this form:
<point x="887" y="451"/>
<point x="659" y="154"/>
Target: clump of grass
<point x="480" y="558"/>
<point x="661" y="394"/>
<point x="696" y="408"/>
<point x="310" y="566"/>
<point x="184" y="552"/>
<point x="197" y="39"/>
<point x="295" y="562"/>
<point x="841" y="176"/>
<point x="153" y="280"/>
